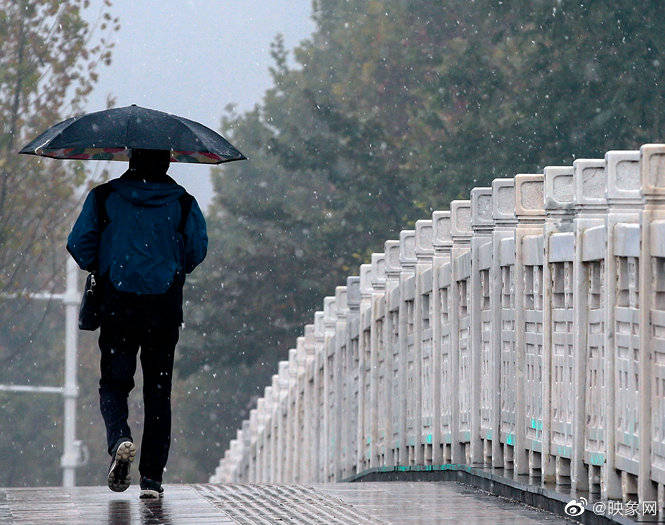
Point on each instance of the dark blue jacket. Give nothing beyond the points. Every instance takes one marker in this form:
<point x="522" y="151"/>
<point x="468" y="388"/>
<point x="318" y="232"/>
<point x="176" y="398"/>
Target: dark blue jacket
<point x="140" y="250"/>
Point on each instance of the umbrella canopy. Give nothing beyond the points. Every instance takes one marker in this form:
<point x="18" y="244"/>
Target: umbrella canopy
<point x="110" y="134"/>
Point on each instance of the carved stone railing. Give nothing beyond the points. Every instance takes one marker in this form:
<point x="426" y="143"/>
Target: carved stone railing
<point x="524" y="329"/>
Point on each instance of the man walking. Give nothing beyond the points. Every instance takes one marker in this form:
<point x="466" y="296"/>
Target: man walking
<point x="140" y="234"/>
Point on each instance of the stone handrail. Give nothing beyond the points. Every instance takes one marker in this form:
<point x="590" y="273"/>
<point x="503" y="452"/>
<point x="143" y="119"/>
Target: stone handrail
<point x="522" y="329"/>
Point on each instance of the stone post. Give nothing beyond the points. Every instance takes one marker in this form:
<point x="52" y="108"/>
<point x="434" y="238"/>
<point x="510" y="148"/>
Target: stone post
<point x="319" y="436"/>
<point x="442" y="245"/>
<point x="365" y="369"/>
<point x="423" y="341"/>
<point x="652" y="325"/>
<point x="274" y="418"/>
<point x="480" y="329"/>
<point x="331" y="423"/>
<point x="460" y="348"/>
<point x="407" y="259"/>
<point x="408" y="377"/>
<point x="298" y="410"/>
<point x="624" y="200"/>
<point x="530" y="213"/>
<point x="253" y="427"/>
<point x="243" y="468"/>
<point x="350" y="418"/>
<point x="378" y="416"/>
<point x="262" y="406"/>
<point x="291" y="417"/>
<point x="341" y="349"/>
<point x="394" y="389"/>
<point x="258" y="445"/>
<point x="590" y="258"/>
<point x="282" y="413"/>
<point x="237" y="458"/>
<point x="559" y="246"/>
<point x="503" y="320"/>
<point x="310" y="438"/>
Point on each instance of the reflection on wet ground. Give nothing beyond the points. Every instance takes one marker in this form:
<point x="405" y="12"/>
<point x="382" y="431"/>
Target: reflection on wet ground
<point x="342" y="503"/>
<point x="183" y="504"/>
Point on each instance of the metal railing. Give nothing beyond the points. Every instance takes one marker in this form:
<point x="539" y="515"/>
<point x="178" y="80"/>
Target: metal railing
<point x="74" y="453"/>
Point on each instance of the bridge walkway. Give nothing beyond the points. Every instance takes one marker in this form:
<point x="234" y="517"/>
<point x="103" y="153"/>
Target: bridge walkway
<point x="408" y="503"/>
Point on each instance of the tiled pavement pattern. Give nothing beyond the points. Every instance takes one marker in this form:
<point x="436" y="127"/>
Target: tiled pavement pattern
<point x="446" y="502"/>
<point x="335" y="503"/>
<point x="274" y="503"/>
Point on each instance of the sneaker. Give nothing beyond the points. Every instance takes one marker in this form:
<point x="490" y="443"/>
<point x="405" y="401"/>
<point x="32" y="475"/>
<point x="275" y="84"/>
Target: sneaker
<point x="121" y="459"/>
<point x="150" y="489"/>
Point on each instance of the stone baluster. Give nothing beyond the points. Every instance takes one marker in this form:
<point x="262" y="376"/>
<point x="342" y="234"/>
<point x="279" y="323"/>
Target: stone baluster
<point x="262" y="416"/>
<point x="298" y="410"/>
<point x="291" y="448"/>
<point x="282" y="412"/>
<point x="408" y="378"/>
<point x="503" y="321"/>
<point x="253" y="427"/>
<point x="318" y="430"/>
<point x="394" y="389"/>
<point x="590" y="261"/>
<point x="624" y="201"/>
<point x="441" y="406"/>
<point x="341" y="349"/>
<point x="237" y="452"/>
<point x="559" y="247"/>
<point x="379" y="365"/>
<point x="309" y="408"/>
<point x="243" y="468"/>
<point x="274" y="418"/>
<point x="482" y="372"/>
<point x="652" y="326"/>
<point x="351" y="367"/>
<point x="330" y="386"/>
<point x="530" y="213"/>
<point x="365" y="369"/>
<point x="423" y="341"/>
<point x="460" y="348"/>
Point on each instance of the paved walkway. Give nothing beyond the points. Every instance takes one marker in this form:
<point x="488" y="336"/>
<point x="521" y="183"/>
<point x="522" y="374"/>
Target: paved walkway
<point x="339" y="503"/>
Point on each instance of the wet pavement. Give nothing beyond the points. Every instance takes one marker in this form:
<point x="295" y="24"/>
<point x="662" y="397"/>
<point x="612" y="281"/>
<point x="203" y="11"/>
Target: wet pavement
<point x="269" y="503"/>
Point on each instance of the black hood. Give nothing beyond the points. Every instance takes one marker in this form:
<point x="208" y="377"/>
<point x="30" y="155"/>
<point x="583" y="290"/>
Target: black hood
<point x="148" y="164"/>
<point x="147" y="193"/>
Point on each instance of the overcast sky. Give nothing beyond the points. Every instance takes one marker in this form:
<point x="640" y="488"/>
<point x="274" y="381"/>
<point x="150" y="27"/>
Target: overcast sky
<point x="194" y="57"/>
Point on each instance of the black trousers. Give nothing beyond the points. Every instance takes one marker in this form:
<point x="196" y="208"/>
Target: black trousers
<point x="119" y="342"/>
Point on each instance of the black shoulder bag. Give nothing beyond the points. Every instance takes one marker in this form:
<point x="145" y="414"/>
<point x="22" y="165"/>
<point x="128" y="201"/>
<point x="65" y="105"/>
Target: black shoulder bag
<point x="89" y="312"/>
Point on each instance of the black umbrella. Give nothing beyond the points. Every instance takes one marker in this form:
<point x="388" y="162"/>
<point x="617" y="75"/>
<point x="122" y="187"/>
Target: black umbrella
<point x="110" y="134"/>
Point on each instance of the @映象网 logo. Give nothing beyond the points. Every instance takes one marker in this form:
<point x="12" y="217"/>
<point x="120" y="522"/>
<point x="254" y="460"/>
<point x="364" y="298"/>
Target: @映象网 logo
<point x="575" y="507"/>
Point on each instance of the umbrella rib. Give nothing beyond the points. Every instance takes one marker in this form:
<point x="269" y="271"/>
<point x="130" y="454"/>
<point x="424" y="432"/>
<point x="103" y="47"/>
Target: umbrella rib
<point x="202" y="138"/>
<point x="48" y="141"/>
<point x="132" y="110"/>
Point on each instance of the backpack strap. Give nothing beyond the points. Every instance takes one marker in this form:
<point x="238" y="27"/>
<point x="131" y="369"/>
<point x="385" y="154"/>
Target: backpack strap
<point x="185" y="201"/>
<point x="101" y="194"/>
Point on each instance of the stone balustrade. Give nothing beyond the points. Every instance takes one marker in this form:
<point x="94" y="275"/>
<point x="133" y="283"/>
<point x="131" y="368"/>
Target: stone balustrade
<point x="522" y="329"/>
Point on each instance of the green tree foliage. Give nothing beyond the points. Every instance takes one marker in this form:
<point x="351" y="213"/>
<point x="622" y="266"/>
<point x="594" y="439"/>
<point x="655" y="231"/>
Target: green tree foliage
<point x="49" y="58"/>
<point x="48" y="65"/>
<point x="392" y="109"/>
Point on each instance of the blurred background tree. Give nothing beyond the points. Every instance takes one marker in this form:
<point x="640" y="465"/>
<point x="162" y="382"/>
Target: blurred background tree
<point x="48" y="65"/>
<point x="49" y="57"/>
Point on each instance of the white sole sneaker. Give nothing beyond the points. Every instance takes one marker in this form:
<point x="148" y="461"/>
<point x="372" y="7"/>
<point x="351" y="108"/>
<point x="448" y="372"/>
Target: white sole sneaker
<point x="150" y="494"/>
<point x="118" y="477"/>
